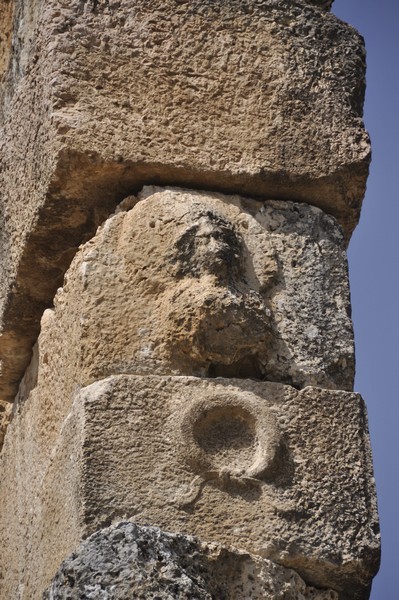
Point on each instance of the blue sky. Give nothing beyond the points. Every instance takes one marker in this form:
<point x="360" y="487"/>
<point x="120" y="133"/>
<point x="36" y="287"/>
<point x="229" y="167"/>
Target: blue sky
<point x="373" y="263"/>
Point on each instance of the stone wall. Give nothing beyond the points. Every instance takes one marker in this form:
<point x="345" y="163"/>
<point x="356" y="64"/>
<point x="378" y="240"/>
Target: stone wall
<point x="179" y="181"/>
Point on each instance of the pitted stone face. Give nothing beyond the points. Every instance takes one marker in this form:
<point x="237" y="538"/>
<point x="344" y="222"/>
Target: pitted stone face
<point x="210" y="246"/>
<point x="128" y="561"/>
<point x="213" y="315"/>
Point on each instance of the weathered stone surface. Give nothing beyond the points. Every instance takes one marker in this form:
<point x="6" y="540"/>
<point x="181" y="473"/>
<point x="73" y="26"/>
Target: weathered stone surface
<point x="261" y="97"/>
<point x="128" y="561"/>
<point x="192" y="283"/>
<point x="325" y="4"/>
<point x="5" y="413"/>
<point x="281" y="473"/>
<point x="6" y="14"/>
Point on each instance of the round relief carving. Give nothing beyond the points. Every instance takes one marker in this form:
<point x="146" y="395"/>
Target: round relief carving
<point x="229" y="435"/>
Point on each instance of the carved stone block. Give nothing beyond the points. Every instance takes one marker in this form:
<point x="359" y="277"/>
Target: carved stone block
<point x="193" y="283"/>
<point x="186" y="374"/>
<point x="281" y="473"/>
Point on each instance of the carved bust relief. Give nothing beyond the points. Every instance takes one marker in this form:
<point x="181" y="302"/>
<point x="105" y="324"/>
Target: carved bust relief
<point x="195" y="283"/>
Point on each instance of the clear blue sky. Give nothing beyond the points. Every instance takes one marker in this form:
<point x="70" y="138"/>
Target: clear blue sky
<point x="374" y="272"/>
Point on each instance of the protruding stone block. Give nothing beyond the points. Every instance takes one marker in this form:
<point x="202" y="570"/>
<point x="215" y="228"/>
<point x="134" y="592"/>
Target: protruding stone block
<point x="281" y="473"/>
<point x="262" y="97"/>
<point x="238" y="95"/>
<point x="129" y="561"/>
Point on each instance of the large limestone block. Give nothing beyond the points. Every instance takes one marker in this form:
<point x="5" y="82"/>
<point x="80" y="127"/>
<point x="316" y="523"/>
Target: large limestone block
<point x="281" y="473"/>
<point x="203" y="284"/>
<point x="128" y="561"/>
<point x="240" y="94"/>
<point x="262" y="98"/>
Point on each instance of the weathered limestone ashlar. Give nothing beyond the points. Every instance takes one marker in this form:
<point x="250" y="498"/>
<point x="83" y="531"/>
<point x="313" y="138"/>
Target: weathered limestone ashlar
<point x="281" y="473"/>
<point x="262" y="98"/>
<point x="128" y="561"/>
<point x="193" y="283"/>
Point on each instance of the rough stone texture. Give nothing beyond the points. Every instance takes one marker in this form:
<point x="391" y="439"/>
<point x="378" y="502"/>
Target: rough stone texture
<point x="5" y="414"/>
<point x="325" y="4"/>
<point x="281" y="473"/>
<point x="6" y="14"/>
<point x="193" y="283"/>
<point x="128" y="561"/>
<point x="262" y="97"/>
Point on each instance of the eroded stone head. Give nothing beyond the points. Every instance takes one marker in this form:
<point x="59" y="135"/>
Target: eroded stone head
<point x="215" y="316"/>
<point x="194" y="283"/>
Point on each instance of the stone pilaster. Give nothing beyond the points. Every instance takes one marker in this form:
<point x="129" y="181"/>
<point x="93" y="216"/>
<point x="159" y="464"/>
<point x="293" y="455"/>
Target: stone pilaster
<point x="179" y="181"/>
